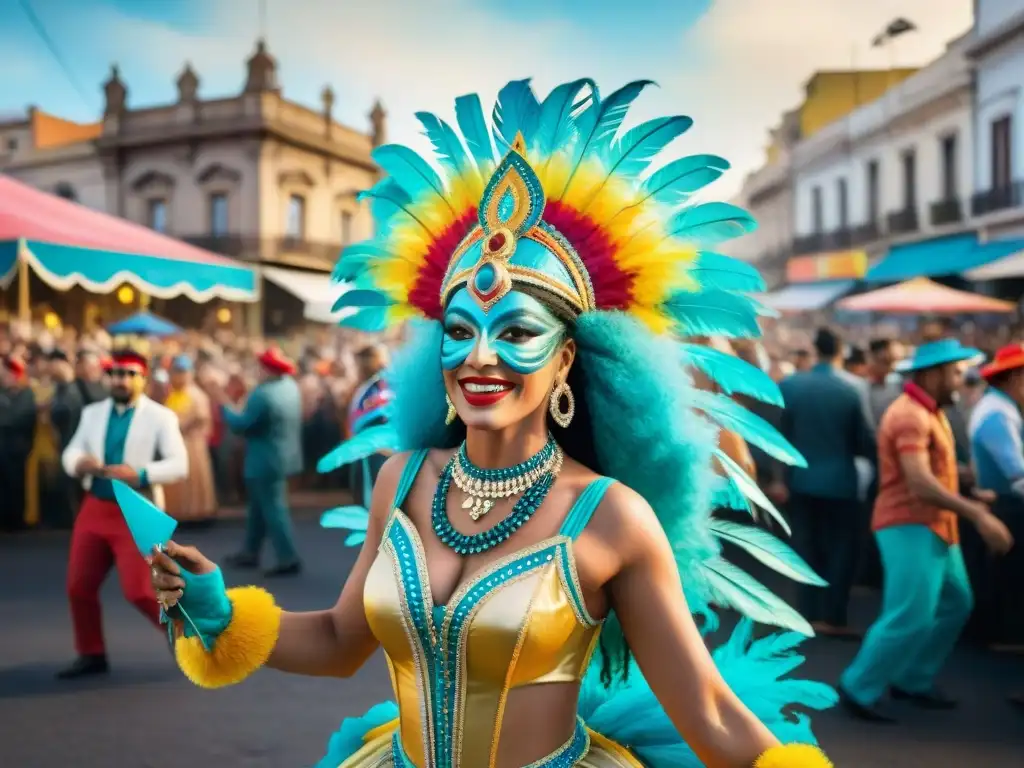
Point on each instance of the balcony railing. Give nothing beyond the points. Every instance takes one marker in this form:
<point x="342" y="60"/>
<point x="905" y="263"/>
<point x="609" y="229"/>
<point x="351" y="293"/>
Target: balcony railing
<point x="254" y="248"/>
<point x="902" y="222"/>
<point x="997" y="199"/>
<point x="865" y="233"/>
<point x="950" y="211"/>
<point x="836" y="240"/>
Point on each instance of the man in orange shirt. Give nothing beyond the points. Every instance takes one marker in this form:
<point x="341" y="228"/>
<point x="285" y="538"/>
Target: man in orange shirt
<point x="927" y="597"/>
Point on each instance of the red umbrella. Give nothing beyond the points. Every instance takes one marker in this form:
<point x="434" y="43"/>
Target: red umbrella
<point x="921" y="296"/>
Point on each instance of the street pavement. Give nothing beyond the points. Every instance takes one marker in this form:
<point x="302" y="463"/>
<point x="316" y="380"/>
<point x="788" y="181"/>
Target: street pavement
<point x="145" y="715"/>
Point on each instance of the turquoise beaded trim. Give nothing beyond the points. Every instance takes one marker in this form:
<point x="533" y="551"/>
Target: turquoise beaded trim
<point x="506" y="473"/>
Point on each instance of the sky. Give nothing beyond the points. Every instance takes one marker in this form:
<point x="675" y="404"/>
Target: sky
<point x="732" y="65"/>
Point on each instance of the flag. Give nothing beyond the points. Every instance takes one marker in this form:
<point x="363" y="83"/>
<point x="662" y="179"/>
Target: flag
<point x="896" y="28"/>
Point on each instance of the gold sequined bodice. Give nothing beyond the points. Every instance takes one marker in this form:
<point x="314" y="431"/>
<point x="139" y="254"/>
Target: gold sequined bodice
<point x="519" y="622"/>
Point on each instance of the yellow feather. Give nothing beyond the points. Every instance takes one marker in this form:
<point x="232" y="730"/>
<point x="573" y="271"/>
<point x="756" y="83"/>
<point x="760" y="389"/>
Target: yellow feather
<point x="793" y="756"/>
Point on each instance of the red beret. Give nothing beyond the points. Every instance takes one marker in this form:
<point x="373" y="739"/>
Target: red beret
<point x="274" y="361"/>
<point x="15" y="366"/>
<point x="129" y="358"/>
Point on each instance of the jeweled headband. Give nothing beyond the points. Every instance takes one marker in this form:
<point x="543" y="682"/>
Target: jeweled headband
<point x="568" y="207"/>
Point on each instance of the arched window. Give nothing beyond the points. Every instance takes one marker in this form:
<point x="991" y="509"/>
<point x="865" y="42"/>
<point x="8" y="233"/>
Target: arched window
<point x="66" y="191"/>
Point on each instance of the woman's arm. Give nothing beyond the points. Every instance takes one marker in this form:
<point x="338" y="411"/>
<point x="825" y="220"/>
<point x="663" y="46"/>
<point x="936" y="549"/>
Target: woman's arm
<point x="338" y="641"/>
<point x="647" y="596"/>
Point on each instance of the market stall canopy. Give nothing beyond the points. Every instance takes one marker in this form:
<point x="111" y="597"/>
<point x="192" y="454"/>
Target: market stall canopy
<point x="316" y="290"/>
<point x="67" y="244"/>
<point x="806" y="297"/>
<point x="922" y="296"/>
<point x="940" y="256"/>
<point x="1006" y="267"/>
<point x="143" y="324"/>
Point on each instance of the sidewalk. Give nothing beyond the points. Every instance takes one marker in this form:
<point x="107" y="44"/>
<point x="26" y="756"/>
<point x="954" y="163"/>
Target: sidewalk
<point x="304" y="503"/>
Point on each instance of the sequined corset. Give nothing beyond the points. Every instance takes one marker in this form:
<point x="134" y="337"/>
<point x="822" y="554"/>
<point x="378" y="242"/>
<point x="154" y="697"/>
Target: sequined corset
<point x="519" y="622"/>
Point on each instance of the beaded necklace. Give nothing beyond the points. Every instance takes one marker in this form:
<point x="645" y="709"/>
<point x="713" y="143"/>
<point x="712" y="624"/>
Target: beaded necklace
<point x="542" y="468"/>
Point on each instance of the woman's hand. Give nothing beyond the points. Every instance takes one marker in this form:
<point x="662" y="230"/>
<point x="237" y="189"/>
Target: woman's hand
<point x="166" y="566"/>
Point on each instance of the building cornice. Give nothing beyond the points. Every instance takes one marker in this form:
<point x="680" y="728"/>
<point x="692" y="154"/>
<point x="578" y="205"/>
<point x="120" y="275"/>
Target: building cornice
<point x="1003" y="33"/>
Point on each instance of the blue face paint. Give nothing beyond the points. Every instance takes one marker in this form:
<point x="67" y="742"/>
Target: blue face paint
<point x="522" y="332"/>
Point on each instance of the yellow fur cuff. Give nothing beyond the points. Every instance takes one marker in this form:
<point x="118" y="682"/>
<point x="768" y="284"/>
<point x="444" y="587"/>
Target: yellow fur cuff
<point x="793" y="756"/>
<point x="242" y="648"/>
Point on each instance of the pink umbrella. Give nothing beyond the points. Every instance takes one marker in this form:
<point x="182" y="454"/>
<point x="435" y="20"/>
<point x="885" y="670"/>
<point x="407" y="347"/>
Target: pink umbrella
<point x="922" y="296"/>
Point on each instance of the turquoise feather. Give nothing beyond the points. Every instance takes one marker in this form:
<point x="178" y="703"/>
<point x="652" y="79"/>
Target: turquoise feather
<point x="557" y="125"/>
<point x="368" y="320"/>
<point x="368" y="442"/>
<point x="516" y="111"/>
<point x="725" y="494"/>
<point x="712" y="313"/>
<point x="733" y="375"/>
<point x="770" y="550"/>
<point x="448" y="150"/>
<point x="410" y="172"/>
<point x="355" y="539"/>
<point x="708" y="224"/>
<point x="631" y="154"/>
<point x="732" y="587"/>
<point x="351" y="518"/>
<point x="362" y="298"/>
<point x="749" y="488"/>
<point x="598" y="125"/>
<point x="356" y="259"/>
<point x="676" y="182"/>
<point x="388" y="202"/>
<point x="715" y="271"/>
<point x="732" y="416"/>
<point x="469" y="113"/>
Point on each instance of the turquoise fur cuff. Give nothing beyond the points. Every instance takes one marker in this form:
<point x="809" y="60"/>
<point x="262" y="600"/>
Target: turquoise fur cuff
<point x="205" y="607"/>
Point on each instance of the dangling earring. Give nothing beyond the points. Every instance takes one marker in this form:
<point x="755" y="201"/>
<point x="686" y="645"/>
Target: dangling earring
<point x="452" y="415"/>
<point x="562" y="418"/>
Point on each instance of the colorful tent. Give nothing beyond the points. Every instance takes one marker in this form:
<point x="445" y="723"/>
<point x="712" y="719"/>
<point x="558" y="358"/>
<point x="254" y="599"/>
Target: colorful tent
<point x="143" y="324"/>
<point x="67" y="244"/>
<point x="921" y="296"/>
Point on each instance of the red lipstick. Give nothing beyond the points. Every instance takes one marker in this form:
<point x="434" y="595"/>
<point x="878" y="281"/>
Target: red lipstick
<point x="482" y="392"/>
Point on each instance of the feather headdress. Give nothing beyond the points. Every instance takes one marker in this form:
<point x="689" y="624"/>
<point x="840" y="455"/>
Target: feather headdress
<point x="567" y="205"/>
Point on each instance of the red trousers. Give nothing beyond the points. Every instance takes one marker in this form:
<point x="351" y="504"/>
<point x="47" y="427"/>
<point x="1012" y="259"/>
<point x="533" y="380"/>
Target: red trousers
<point x="100" y="540"/>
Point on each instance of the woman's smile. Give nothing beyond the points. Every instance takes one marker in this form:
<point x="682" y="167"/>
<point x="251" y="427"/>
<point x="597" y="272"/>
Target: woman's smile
<point x="484" y="391"/>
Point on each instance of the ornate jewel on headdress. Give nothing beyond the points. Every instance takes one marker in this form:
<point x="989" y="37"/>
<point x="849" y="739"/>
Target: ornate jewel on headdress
<point x="571" y="210"/>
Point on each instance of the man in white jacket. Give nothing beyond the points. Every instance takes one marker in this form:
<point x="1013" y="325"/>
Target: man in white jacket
<point x="125" y="437"/>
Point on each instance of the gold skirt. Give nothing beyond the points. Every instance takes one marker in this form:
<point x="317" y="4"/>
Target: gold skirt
<point x="378" y="752"/>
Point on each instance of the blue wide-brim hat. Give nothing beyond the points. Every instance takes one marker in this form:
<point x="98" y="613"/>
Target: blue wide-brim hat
<point x="936" y="353"/>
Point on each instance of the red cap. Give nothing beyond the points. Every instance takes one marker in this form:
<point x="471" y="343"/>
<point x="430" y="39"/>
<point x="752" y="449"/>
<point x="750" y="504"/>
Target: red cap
<point x="129" y="358"/>
<point x="1009" y="358"/>
<point x="15" y="366"/>
<point x="106" y="363"/>
<point x="274" y="361"/>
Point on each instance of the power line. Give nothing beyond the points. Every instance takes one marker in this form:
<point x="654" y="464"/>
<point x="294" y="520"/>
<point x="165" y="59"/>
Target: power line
<point x="34" y="20"/>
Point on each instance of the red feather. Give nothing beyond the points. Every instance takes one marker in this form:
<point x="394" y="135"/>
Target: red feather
<point x="613" y="286"/>
<point x="425" y="294"/>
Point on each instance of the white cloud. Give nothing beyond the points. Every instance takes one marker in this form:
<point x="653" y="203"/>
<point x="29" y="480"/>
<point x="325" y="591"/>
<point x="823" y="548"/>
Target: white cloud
<point x="735" y="71"/>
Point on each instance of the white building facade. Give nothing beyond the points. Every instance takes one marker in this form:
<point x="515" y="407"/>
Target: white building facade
<point x="895" y="170"/>
<point x="996" y="49"/>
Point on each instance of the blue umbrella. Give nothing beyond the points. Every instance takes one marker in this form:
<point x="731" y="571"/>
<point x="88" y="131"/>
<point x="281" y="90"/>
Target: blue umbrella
<point x="143" y="324"/>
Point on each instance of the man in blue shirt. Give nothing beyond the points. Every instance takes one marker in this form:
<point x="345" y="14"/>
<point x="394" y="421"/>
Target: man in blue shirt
<point x="825" y="418"/>
<point x="130" y="438"/>
<point x="996" y="432"/>
<point x="271" y="424"/>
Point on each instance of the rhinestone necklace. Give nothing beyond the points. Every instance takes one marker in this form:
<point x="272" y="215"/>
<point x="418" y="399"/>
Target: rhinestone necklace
<point x="471" y="544"/>
<point x="483" y="487"/>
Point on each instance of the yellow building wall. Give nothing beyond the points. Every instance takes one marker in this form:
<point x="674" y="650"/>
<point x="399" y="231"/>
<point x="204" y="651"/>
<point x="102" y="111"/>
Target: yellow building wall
<point x="833" y="95"/>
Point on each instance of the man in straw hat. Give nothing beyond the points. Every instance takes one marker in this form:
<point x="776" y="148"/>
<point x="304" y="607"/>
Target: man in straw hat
<point x="997" y="446"/>
<point x="271" y="423"/>
<point x="130" y="438"/>
<point x="927" y="595"/>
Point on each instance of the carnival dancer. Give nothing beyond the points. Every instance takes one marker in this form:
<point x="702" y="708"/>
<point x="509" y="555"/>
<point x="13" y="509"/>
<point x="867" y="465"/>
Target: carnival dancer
<point x="557" y="476"/>
<point x="927" y="596"/>
<point x="125" y="437"/>
<point x="997" y="447"/>
<point x="193" y="499"/>
<point x="271" y="423"/>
